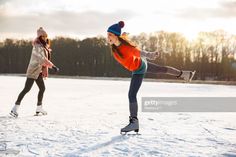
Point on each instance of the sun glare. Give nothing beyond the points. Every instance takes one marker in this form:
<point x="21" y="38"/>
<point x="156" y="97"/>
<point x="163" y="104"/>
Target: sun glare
<point x="190" y="35"/>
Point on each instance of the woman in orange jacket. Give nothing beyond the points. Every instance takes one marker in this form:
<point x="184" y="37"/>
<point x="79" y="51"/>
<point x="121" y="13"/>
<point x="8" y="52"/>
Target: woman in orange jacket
<point x="134" y="60"/>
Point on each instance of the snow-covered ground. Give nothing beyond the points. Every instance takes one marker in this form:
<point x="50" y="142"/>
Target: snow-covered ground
<point x="85" y="116"/>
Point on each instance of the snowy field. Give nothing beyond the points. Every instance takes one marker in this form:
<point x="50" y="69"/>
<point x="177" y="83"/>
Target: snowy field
<point x="85" y="116"/>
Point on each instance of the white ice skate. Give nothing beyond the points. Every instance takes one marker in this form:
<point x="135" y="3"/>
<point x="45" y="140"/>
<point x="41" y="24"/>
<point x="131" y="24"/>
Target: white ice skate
<point x="188" y="75"/>
<point x="40" y="111"/>
<point x="14" y="111"/>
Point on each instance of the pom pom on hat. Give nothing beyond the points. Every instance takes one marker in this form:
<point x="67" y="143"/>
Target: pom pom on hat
<point x="41" y="32"/>
<point x="116" y="28"/>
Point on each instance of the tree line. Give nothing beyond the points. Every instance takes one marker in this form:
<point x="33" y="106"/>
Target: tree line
<point x="211" y="54"/>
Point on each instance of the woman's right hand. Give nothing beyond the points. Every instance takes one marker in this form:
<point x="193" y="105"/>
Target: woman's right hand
<point x="157" y="54"/>
<point x="150" y="55"/>
<point x="153" y="55"/>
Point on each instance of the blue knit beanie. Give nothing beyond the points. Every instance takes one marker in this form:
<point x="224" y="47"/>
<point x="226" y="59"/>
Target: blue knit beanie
<point x="116" y="28"/>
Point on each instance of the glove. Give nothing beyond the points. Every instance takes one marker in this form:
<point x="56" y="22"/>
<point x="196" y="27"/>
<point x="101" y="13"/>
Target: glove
<point x="152" y="55"/>
<point x="56" y="69"/>
<point x="157" y="54"/>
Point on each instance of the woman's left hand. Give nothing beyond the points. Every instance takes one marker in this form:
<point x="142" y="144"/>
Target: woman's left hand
<point x="56" y="69"/>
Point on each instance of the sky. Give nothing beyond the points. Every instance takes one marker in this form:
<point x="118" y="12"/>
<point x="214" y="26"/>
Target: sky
<point x="88" y="18"/>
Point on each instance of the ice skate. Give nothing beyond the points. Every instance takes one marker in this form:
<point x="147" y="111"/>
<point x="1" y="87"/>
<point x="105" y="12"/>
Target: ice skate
<point x="40" y="111"/>
<point x="132" y="126"/>
<point x="187" y="75"/>
<point x="14" y="111"/>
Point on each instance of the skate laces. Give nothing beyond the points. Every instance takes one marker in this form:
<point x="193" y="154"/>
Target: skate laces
<point x="132" y="119"/>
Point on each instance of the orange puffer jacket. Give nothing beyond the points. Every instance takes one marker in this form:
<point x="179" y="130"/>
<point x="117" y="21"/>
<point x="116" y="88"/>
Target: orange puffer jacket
<point x="131" y="59"/>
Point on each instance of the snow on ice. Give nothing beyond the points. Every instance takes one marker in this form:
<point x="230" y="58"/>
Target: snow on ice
<point x="85" y="116"/>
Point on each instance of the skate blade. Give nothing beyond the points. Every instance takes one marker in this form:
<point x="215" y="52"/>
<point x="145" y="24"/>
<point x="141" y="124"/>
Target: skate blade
<point x="133" y="132"/>
<point x="13" y="115"/>
<point x="129" y="134"/>
<point x="40" y="114"/>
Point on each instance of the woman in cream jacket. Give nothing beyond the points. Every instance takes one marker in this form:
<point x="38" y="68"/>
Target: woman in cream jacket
<point x="36" y="71"/>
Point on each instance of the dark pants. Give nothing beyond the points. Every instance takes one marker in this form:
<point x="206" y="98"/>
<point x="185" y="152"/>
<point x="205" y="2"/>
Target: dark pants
<point x="137" y="79"/>
<point x="28" y="84"/>
<point x="135" y="84"/>
<point x="158" y="69"/>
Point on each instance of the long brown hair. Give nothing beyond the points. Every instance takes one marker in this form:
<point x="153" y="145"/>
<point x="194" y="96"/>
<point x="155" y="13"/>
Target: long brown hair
<point x="46" y="44"/>
<point x="124" y="40"/>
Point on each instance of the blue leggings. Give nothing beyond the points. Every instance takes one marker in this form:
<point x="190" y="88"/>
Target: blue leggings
<point x="137" y="79"/>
